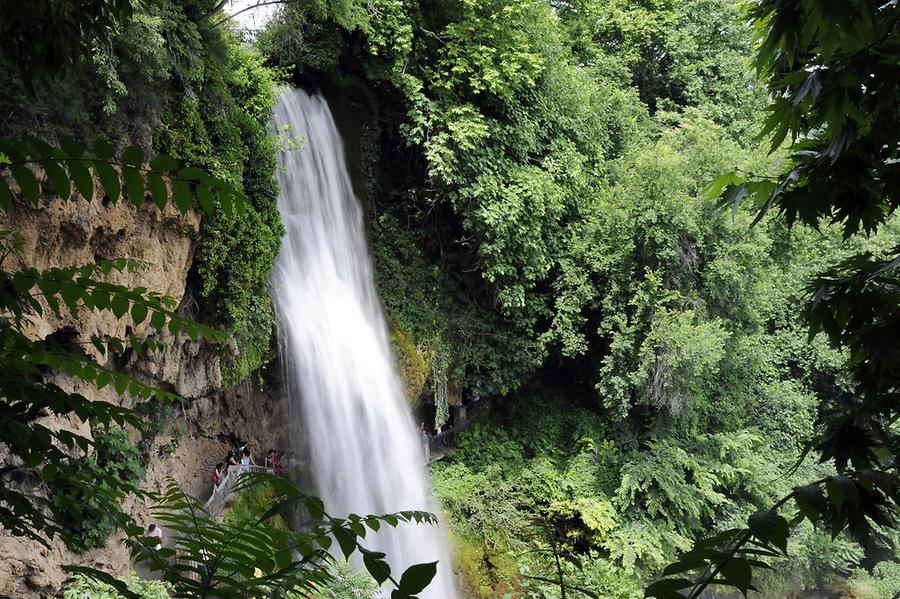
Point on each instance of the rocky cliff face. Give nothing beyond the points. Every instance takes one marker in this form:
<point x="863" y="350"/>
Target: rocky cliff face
<point x="209" y="421"/>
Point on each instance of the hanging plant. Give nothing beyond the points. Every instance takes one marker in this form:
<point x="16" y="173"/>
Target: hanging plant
<point x="441" y="393"/>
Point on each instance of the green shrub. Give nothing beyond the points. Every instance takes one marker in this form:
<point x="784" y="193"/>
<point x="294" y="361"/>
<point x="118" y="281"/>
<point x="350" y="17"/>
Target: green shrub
<point x="168" y="82"/>
<point x="82" y="587"/>
<point x="251" y="503"/>
<point x="157" y="417"/>
<point x="167" y="449"/>
<point x="594" y="572"/>
<point x="225" y="129"/>
<point x="253" y="338"/>
<point x="882" y="583"/>
<point x="115" y="465"/>
<point x="348" y="583"/>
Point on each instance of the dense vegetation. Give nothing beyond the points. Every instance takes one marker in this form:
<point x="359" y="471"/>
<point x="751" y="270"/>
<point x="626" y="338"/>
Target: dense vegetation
<point x="86" y="511"/>
<point x="82" y="587"/>
<point x="513" y="138"/>
<point x="165" y="79"/>
<point x="155" y="78"/>
<point x="67" y="467"/>
<point x="536" y="177"/>
<point x="535" y="174"/>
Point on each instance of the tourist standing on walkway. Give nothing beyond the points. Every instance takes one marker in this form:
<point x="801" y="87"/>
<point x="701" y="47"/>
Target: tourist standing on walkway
<point x="205" y="571"/>
<point x="156" y="532"/>
<point x="276" y="462"/>
<point x="423" y="436"/>
<point x="217" y="474"/>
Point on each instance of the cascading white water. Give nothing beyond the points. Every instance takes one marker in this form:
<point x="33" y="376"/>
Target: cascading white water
<point x="341" y="377"/>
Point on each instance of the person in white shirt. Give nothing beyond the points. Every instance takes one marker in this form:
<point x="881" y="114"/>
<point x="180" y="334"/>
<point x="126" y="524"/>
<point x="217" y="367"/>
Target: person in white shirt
<point x="154" y="531"/>
<point x="247" y="460"/>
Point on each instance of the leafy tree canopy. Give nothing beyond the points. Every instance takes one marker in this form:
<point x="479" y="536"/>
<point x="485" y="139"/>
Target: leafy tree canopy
<point x="537" y="174"/>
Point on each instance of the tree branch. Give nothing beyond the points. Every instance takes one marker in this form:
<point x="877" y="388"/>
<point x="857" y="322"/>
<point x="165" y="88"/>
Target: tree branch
<point x="228" y="17"/>
<point x="214" y="10"/>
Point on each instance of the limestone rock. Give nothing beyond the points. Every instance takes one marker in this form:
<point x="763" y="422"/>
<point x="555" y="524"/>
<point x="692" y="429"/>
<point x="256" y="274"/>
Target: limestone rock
<point x="211" y="420"/>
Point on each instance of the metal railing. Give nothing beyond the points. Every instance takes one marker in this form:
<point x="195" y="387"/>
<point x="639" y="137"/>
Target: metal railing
<point x="223" y="491"/>
<point x="442" y="442"/>
<point x="437" y="446"/>
<point x="216" y="503"/>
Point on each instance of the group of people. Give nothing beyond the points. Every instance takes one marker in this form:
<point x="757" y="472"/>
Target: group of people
<point x="243" y="457"/>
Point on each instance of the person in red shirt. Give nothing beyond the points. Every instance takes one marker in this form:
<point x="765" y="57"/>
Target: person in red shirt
<point x="276" y="462"/>
<point x="217" y="474"/>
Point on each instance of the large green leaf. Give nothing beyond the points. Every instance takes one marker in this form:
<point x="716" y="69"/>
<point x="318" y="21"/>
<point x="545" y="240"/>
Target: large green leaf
<point x="158" y="190"/>
<point x="81" y="176"/>
<point x="133" y="156"/>
<point x="770" y="527"/>
<point x="109" y="179"/>
<point x="27" y="182"/>
<point x="58" y="179"/>
<point x="134" y="185"/>
<point x="738" y="573"/>
<point x="417" y="577"/>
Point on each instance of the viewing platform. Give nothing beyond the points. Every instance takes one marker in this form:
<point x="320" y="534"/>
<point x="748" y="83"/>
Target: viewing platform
<point x="225" y="489"/>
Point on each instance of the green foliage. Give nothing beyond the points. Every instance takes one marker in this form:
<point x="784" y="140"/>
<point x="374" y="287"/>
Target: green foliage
<point x="221" y="124"/>
<point x="620" y="515"/>
<point x="253" y="502"/>
<point x="539" y="462"/>
<point x="883" y="581"/>
<point x="817" y="562"/>
<point x="502" y="229"/>
<point x="509" y="141"/>
<point x="536" y="177"/>
<point x="167" y="449"/>
<point x="834" y="92"/>
<point x="156" y="417"/>
<point x="224" y="130"/>
<point x="430" y="306"/>
<point x="348" y="583"/>
<point x="161" y="78"/>
<point x="241" y="557"/>
<point x="679" y="358"/>
<point x="82" y="587"/>
<point x="41" y="38"/>
<point x="70" y="166"/>
<point x="91" y="514"/>
<point x="253" y="339"/>
<point x="589" y="576"/>
<point x="677" y="53"/>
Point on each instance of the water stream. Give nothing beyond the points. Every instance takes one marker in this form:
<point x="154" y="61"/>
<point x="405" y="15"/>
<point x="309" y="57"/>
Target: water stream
<point x="340" y="372"/>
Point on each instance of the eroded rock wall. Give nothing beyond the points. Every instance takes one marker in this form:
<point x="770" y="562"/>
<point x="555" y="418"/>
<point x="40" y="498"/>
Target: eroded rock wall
<point x="210" y="420"/>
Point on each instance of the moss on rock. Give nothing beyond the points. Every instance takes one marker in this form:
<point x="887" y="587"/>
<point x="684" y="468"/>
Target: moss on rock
<point x="412" y="364"/>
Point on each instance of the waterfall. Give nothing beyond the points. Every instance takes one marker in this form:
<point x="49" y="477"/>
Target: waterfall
<point x="341" y="378"/>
